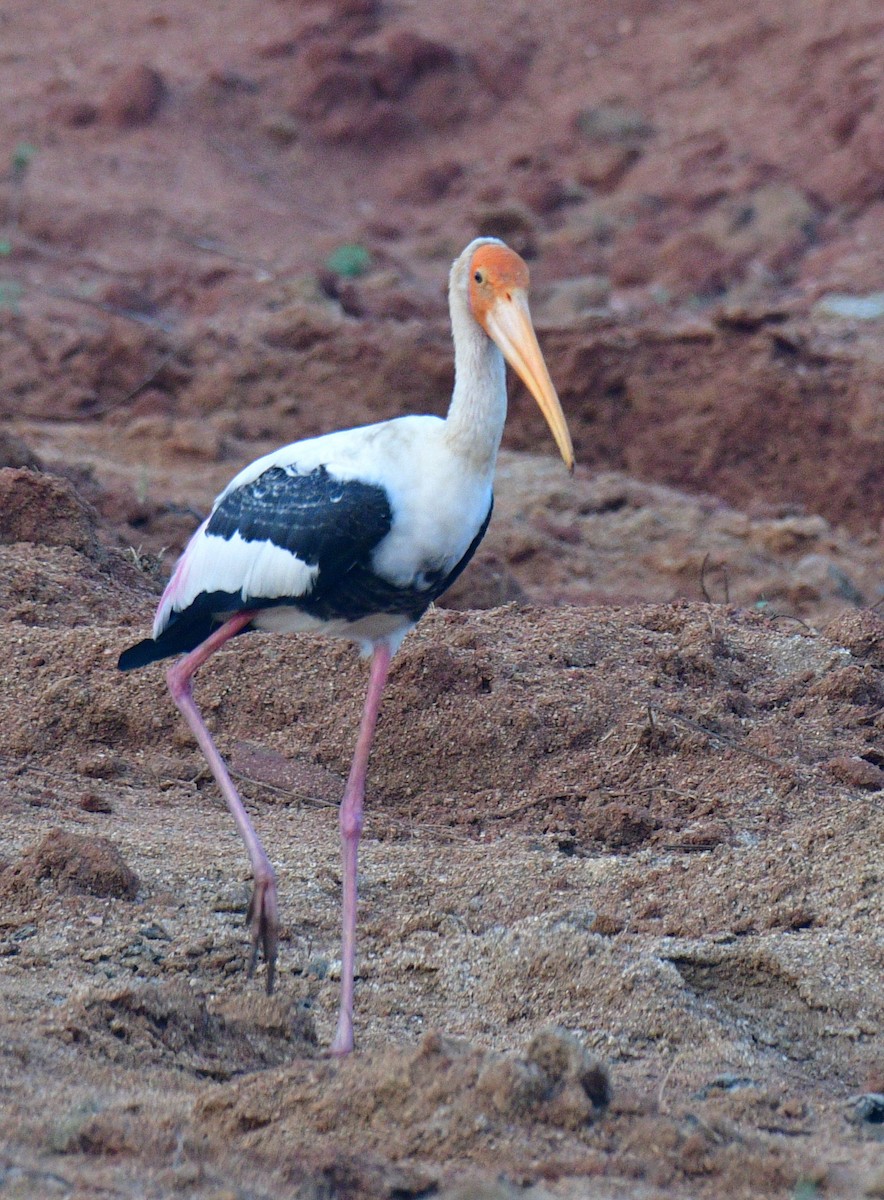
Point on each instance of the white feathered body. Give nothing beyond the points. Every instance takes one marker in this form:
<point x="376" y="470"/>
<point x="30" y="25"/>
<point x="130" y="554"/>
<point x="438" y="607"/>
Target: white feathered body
<point x="437" y="502"/>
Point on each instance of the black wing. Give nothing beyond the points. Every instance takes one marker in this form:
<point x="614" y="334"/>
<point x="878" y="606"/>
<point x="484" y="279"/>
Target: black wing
<point x="326" y="522"/>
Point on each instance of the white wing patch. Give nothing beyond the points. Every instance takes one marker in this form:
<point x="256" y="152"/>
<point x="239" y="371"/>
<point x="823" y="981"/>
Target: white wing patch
<point x="255" y="570"/>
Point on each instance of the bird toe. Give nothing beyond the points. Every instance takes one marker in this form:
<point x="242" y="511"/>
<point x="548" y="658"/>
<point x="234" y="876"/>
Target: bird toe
<point x="263" y="920"/>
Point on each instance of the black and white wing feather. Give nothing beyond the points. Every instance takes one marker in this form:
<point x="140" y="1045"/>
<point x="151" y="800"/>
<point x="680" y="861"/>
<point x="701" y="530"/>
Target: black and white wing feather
<point x="287" y="537"/>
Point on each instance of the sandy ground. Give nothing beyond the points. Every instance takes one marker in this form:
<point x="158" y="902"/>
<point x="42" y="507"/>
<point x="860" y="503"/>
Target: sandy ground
<point x="620" y="929"/>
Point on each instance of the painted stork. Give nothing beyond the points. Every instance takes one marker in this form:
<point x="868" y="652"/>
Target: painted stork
<point x="354" y="535"/>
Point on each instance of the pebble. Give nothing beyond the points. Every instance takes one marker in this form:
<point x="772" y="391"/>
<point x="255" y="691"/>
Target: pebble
<point x="867" y="1109"/>
<point x="856" y="772"/>
<point x="854" y="308"/>
<point x="613" y="123"/>
<point x="154" y="932"/>
<point x="134" y="98"/>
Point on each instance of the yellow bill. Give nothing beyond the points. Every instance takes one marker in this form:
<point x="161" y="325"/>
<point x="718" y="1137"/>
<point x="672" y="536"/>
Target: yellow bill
<point x="508" y="323"/>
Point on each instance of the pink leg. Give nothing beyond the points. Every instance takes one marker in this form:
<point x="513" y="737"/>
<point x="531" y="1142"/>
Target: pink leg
<point x="263" y="914"/>
<point x="351" y="827"/>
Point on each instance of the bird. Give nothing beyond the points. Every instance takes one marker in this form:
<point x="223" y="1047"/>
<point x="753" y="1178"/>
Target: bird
<point x="354" y="534"/>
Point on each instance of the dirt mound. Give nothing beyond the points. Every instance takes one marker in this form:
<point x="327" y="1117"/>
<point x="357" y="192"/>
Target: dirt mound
<point x="554" y="1082"/>
<point x="44" y="509"/>
<point x="73" y="862"/>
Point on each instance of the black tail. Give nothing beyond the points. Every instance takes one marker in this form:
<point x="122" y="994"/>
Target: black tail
<point x="186" y="631"/>
<point x="174" y="640"/>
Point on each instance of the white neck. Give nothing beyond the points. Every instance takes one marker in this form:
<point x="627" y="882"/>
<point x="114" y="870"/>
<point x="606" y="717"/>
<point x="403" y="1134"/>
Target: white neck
<point x="477" y="412"/>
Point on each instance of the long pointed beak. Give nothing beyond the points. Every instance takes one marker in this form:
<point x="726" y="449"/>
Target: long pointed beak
<point x="508" y="323"/>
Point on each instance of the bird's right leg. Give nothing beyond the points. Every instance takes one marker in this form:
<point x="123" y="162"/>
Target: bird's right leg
<point x="351" y="828"/>
<point x="263" y="914"/>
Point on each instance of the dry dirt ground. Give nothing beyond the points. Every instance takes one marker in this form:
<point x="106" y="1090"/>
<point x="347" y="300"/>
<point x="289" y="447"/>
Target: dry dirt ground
<point x="621" y="879"/>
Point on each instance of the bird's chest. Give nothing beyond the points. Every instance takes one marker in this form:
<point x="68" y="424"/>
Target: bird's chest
<point x="433" y="528"/>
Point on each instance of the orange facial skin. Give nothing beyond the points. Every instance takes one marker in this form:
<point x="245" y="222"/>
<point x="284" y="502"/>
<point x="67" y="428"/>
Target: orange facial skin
<point x="494" y="272"/>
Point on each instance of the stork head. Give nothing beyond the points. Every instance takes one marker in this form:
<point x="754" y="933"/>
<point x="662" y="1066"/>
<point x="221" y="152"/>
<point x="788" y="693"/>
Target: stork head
<point x="497" y="290"/>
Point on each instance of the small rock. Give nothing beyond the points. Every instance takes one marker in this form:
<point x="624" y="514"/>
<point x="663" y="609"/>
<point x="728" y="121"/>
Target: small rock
<point x="704" y="835"/>
<point x="439" y="100"/>
<point x="406" y="57"/>
<point x="154" y="933"/>
<point x="852" y="684"/>
<point x="396" y="87"/>
<point x="607" y="925"/>
<point x="126" y="298"/>
<point x="501" y="67"/>
<point x="364" y="11"/>
<point x="543" y="192"/>
<point x="821" y="575"/>
<point x="854" y="308"/>
<point x="869" y="142"/>
<point x="484" y="1189"/>
<point x="281" y="128"/>
<point x="790" y="533"/>
<point x="562" y="1057"/>
<point x="619" y="823"/>
<point x="24" y="1183"/>
<point x="873" y="1187"/>
<point x="65" y="1133"/>
<point x="512" y="1087"/>
<point x="16" y="453"/>
<point x="98" y="764"/>
<point x="234" y="81"/>
<point x="603" y="166"/>
<point x="772" y="221"/>
<point x="633" y="252"/>
<point x="197" y="439"/>
<point x="134" y="98"/>
<point x="92" y="802"/>
<point x="567" y="302"/>
<point x="298" y="327"/>
<point x="795" y="916"/>
<point x="728" y="1082"/>
<point x="695" y="260"/>
<point x="233" y="898"/>
<point x="867" y="1109"/>
<point x="430" y="183"/>
<point x="613" y="123"/>
<point x="857" y="772"/>
<point x="570" y="1107"/>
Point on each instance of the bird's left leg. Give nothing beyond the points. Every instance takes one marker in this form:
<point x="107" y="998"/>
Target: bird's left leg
<point x="351" y="828"/>
<point x="263" y="914"/>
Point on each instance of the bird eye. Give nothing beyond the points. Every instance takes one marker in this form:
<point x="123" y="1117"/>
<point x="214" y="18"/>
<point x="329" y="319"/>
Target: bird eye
<point x="479" y="277"/>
